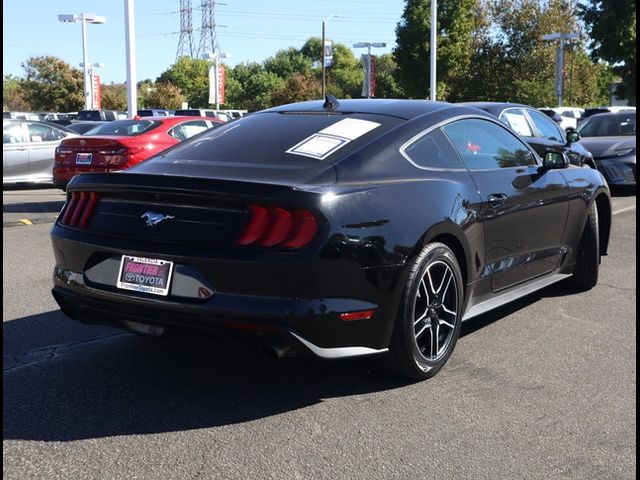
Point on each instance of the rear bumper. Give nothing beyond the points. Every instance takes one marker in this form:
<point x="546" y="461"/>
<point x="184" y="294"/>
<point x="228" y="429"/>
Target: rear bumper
<point x="289" y="326"/>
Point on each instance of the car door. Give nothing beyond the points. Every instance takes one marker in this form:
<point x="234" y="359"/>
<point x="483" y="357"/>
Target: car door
<point x="15" y="152"/>
<point x="524" y="208"/>
<point x="43" y="142"/>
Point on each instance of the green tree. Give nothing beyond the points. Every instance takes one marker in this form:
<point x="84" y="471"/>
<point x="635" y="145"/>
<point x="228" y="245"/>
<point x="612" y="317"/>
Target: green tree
<point x="164" y="95"/>
<point x="52" y="85"/>
<point x="344" y="78"/>
<point x="456" y="24"/>
<point x="191" y="76"/>
<point x="612" y="28"/>
<point x="13" y="95"/>
<point x="525" y="70"/>
<point x="298" y="87"/>
<point x="288" y="62"/>
<point x="386" y="78"/>
<point x="114" y="96"/>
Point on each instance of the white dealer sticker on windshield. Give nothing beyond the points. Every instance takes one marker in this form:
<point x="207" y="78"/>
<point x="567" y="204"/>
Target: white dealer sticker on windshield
<point x="328" y="140"/>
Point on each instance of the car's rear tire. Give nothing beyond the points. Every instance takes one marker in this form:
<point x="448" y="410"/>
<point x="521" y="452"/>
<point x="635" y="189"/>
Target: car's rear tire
<point x="430" y="314"/>
<point x="586" y="270"/>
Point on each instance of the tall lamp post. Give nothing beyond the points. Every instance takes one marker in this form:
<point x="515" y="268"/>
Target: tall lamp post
<point x="322" y="57"/>
<point x="84" y="18"/>
<point x="215" y="56"/>
<point x="560" y="59"/>
<point x="368" y="46"/>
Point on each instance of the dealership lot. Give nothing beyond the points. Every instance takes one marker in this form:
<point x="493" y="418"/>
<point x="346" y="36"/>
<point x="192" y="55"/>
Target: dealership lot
<point x="543" y="388"/>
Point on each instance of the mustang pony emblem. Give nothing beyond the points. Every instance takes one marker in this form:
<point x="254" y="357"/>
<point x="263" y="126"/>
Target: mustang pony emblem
<point x="154" y="218"/>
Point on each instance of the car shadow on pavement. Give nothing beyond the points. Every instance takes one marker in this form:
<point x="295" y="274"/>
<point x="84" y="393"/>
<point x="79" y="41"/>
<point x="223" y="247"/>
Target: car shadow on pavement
<point x="119" y="384"/>
<point x="33" y="207"/>
<point x="103" y="382"/>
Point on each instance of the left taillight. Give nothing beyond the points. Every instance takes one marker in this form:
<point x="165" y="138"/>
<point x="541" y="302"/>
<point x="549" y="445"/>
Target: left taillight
<point x="79" y="209"/>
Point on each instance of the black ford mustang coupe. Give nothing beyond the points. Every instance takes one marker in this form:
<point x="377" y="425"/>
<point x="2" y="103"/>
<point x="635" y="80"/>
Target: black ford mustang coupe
<point x="333" y="228"/>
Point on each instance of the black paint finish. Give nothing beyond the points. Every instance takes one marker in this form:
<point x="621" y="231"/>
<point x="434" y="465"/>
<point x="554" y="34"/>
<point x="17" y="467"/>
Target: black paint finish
<point x="374" y="208"/>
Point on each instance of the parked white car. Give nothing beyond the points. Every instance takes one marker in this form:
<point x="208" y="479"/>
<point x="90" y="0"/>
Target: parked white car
<point x="567" y="116"/>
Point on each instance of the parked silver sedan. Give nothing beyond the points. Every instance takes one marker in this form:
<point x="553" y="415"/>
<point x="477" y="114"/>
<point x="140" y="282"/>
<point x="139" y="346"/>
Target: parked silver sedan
<point x="28" y="150"/>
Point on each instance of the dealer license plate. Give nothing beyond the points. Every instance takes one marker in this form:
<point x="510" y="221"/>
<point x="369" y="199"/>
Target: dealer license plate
<point x="84" y="158"/>
<point x="148" y="275"/>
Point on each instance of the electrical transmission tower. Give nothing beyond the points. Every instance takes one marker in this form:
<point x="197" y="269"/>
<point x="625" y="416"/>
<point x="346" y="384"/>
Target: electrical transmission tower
<point x="208" y="38"/>
<point x="185" y="43"/>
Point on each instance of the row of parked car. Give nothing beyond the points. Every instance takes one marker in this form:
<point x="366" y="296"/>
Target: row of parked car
<point x="44" y="152"/>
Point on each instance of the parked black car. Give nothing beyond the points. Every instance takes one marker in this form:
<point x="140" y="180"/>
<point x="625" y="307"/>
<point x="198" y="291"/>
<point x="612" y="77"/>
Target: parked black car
<point x="611" y="137"/>
<point x="338" y="229"/>
<point x="542" y="133"/>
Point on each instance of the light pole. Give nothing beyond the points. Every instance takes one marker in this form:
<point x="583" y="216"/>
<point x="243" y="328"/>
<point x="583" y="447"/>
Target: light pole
<point x="130" y="42"/>
<point x="368" y="46"/>
<point x="560" y="59"/>
<point x="214" y="69"/>
<point x="434" y="41"/>
<point x="322" y="57"/>
<point x="84" y="18"/>
<point x="90" y="69"/>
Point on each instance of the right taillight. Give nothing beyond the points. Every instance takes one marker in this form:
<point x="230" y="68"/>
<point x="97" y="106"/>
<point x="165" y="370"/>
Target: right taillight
<point x="278" y="227"/>
<point x="79" y="209"/>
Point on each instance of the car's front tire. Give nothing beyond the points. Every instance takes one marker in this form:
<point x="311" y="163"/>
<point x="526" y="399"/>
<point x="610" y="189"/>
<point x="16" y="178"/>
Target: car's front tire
<point x="430" y="315"/>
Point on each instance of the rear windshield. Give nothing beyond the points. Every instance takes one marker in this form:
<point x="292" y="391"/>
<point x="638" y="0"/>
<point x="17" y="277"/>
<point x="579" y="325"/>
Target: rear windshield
<point x="128" y="128"/>
<point x="283" y="138"/>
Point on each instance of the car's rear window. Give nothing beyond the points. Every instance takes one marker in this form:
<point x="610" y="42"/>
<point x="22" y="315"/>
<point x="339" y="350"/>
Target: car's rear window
<point x="128" y="128"/>
<point x="283" y="138"/>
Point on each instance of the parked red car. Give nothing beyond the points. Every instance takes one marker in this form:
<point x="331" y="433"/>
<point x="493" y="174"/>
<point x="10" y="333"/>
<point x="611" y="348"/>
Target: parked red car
<point x="121" y="144"/>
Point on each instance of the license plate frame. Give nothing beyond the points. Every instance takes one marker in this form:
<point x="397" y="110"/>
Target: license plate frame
<point x="84" y="158"/>
<point x="145" y="275"/>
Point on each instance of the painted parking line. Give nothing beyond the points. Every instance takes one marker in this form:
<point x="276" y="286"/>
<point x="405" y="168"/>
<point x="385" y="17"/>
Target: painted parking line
<point x="622" y="210"/>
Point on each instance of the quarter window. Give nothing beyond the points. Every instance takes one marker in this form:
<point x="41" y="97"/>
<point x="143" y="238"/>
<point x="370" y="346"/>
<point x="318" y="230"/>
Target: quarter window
<point x="516" y="119"/>
<point x="545" y="126"/>
<point x="188" y="129"/>
<point x="483" y="145"/>
<point x="433" y="150"/>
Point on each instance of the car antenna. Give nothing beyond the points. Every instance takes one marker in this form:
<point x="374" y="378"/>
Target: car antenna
<point x="330" y="102"/>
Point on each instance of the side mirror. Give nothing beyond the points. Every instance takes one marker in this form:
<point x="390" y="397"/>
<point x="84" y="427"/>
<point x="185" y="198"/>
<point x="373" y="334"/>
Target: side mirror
<point x="572" y="135"/>
<point x="553" y="160"/>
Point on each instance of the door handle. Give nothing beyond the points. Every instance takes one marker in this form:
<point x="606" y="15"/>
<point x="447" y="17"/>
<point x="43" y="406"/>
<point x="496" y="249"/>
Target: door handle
<point x="21" y="149"/>
<point x="496" y="200"/>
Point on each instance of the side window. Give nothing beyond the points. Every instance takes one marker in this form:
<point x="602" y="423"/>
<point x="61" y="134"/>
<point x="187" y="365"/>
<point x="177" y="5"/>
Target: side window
<point x="546" y="127"/>
<point x="515" y="118"/>
<point x="433" y="150"/>
<point x="188" y="129"/>
<point x="12" y="133"/>
<point x="483" y="145"/>
<point x="43" y="133"/>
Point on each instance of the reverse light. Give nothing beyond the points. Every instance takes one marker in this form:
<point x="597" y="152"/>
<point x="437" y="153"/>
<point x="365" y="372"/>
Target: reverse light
<point x="275" y="226"/>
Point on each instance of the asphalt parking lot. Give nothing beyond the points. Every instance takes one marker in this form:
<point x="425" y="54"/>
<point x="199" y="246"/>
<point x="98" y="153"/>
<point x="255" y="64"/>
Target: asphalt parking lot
<point x="544" y="388"/>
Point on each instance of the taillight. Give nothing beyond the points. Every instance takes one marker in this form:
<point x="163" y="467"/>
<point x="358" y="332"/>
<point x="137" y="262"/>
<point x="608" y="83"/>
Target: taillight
<point x="277" y="227"/>
<point x="79" y="209"/>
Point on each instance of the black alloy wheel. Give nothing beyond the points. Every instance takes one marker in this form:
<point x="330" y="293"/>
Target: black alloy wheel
<point x="430" y="315"/>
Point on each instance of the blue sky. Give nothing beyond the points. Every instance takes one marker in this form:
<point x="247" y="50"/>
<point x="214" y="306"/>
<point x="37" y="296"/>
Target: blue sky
<point x="249" y="30"/>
